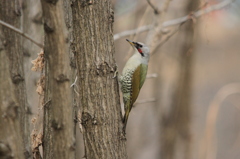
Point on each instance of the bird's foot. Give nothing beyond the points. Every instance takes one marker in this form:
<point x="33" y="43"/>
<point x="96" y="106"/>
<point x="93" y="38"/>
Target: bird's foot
<point x="123" y="136"/>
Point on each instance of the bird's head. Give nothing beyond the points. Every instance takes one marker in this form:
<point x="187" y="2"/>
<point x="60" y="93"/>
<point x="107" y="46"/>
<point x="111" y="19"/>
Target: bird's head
<point x="140" y="47"/>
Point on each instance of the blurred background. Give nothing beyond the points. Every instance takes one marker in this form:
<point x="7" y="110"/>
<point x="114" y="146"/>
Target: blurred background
<point x="189" y="106"/>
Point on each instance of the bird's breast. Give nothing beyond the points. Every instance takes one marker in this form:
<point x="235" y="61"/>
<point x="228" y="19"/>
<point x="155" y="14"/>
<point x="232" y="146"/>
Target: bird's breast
<point x="126" y="81"/>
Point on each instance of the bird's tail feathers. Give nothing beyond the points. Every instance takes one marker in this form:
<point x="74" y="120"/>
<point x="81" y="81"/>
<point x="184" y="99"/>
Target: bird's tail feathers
<point x="125" y="118"/>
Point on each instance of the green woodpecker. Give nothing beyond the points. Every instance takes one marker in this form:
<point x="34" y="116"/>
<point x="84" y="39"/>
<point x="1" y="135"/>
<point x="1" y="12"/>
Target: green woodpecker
<point x="133" y="76"/>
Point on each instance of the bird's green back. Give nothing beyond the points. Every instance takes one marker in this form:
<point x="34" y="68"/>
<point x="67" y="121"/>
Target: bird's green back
<point x="143" y="74"/>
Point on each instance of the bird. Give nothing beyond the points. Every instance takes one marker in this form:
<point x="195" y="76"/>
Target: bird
<point x="133" y="77"/>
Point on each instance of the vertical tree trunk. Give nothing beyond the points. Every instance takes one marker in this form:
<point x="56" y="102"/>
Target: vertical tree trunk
<point x="59" y="139"/>
<point x="73" y="69"/>
<point x="32" y="25"/>
<point x="14" y="109"/>
<point x="175" y="127"/>
<point x="11" y="142"/>
<point x="99" y="96"/>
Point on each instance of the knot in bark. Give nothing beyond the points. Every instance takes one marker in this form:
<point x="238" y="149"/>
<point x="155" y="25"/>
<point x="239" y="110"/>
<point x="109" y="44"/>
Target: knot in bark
<point x="17" y="78"/>
<point x="5" y="150"/>
<point x="52" y="1"/>
<point x="104" y="68"/>
<point x="56" y="125"/>
<point x="62" y="78"/>
<point x="48" y="26"/>
<point x="12" y="110"/>
<point x="88" y="120"/>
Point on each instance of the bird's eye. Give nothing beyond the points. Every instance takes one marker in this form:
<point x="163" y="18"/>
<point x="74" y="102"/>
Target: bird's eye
<point x="139" y="45"/>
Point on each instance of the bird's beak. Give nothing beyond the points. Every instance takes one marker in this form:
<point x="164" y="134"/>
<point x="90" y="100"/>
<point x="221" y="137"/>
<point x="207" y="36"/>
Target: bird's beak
<point x="131" y="42"/>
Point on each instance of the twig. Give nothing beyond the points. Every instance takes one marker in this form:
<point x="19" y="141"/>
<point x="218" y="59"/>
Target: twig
<point x="166" y="39"/>
<point x="21" y="33"/>
<point x="174" y="21"/>
<point x="74" y="84"/>
<point x="153" y="34"/>
<point x="155" y="9"/>
<point x="142" y="20"/>
<point x="133" y="32"/>
<point x="211" y="119"/>
<point x="145" y="101"/>
<point x="46" y="103"/>
<point x="154" y="75"/>
<point x="150" y="100"/>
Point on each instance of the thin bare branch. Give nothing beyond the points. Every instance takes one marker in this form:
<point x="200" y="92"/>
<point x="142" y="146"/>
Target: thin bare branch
<point x="150" y="100"/>
<point x="153" y="34"/>
<point x="21" y="33"/>
<point x="174" y="21"/>
<point x="75" y="85"/>
<point x="165" y="39"/>
<point x="209" y="148"/>
<point x="142" y="21"/>
<point x="133" y="31"/>
<point x="155" y="9"/>
<point x="153" y="75"/>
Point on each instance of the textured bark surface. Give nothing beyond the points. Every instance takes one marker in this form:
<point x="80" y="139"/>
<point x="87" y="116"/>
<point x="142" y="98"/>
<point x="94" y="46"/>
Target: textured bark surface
<point x="73" y="69"/>
<point x="14" y="109"/>
<point x="58" y="140"/>
<point x="175" y="127"/>
<point x="99" y="92"/>
<point x="11" y="142"/>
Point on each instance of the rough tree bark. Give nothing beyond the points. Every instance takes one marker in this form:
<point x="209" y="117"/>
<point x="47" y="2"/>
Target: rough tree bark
<point x="73" y="69"/>
<point x="99" y="96"/>
<point x="14" y="108"/>
<point x="175" y="138"/>
<point x="59" y="139"/>
<point x="10" y="133"/>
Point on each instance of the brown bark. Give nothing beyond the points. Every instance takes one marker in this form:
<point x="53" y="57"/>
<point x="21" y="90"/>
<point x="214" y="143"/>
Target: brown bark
<point x="73" y="70"/>
<point x="14" y="134"/>
<point x="59" y="139"/>
<point x="99" y="96"/>
<point x="175" y="136"/>
<point x="11" y="142"/>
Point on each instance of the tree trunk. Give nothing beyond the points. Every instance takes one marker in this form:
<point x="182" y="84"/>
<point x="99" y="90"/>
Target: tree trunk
<point x="32" y="25"/>
<point x="59" y="139"/>
<point x="175" y="138"/>
<point x="14" y="134"/>
<point x="99" y="92"/>
<point x="11" y="142"/>
<point x="73" y="69"/>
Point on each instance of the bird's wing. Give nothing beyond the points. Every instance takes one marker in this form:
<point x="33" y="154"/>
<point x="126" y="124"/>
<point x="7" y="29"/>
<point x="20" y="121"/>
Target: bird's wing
<point x="136" y="79"/>
<point x="143" y="74"/>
